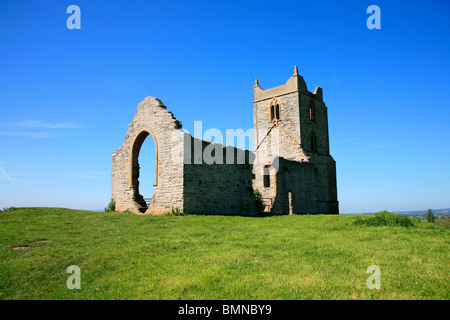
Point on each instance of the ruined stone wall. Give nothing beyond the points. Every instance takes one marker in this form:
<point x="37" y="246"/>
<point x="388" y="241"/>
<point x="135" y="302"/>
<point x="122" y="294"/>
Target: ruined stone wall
<point x="151" y="117"/>
<point x="184" y="177"/>
<point x="224" y="186"/>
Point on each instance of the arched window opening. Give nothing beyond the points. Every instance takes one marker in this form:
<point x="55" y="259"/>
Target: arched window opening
<point x="274" y="110"/>
<point x="266" y="177"/>
<point x="144" y="169"/>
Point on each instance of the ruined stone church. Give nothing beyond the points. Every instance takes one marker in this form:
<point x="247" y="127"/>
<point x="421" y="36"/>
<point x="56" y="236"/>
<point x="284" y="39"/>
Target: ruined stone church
<point x="290" y="166"/>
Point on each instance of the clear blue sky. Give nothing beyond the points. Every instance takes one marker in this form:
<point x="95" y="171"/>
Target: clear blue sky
<point x="67" y="96"/>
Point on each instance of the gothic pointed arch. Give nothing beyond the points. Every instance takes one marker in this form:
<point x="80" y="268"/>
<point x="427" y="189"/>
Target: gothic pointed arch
<point x="136" y="148"/>
<point x="274" y="110"/>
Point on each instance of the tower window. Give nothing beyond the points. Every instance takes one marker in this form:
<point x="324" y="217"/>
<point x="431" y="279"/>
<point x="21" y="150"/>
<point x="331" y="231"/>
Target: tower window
<point x="274" y="110"/>
<point x="313" y="142"/>
<point x="266" y="177"/>
<point x="312" y="111"/>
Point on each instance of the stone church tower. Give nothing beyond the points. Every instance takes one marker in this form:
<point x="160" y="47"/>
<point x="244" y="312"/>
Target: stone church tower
<point x="291" y="164"/>
<point x="293" y="169"/>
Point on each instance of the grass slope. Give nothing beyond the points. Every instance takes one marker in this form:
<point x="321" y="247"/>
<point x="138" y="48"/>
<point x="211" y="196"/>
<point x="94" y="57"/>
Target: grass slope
<point x="126" y="256"/>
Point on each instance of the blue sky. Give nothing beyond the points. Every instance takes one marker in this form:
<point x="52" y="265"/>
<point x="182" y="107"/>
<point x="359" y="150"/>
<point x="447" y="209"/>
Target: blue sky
<point x="67" y="96"/>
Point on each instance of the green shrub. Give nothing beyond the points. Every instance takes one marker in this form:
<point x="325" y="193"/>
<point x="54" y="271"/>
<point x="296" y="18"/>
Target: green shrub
<point x="385" y="218"/>
<point x="175" y="212"/>
<point x="258" y="200"/>
<point x="111" y="206"/>
<point x="9" y="209"/>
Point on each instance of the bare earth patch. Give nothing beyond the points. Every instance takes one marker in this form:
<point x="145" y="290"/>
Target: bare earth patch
<point x="43" y="241"/>
<point x="21" y="248"/>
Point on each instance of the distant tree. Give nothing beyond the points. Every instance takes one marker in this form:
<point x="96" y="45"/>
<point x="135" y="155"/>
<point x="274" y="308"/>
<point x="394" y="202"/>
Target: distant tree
<point x="430" y="216"/>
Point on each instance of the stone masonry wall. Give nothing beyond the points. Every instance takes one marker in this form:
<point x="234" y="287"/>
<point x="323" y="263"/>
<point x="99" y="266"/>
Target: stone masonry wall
<point x="152" y="117"/>
<point x="299" y="178"/>
<point x="224" y="187"/>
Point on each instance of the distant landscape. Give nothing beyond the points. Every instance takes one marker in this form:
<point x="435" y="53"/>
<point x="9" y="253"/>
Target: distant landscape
<point x="420" y="214"/>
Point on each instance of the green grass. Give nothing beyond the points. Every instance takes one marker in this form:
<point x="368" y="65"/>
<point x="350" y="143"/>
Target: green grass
<point x="126" y="256"/>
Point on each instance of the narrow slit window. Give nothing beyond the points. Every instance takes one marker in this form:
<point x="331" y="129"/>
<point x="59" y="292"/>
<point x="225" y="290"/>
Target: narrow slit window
<point x="266" y="176"/>
<point x="313" y="142"/>
<point x="312" y="111"/>
<point x="272" y="113"/>
<point x="277" y="112"/>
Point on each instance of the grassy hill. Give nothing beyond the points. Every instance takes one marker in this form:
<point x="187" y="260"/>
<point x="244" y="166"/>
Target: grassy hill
<point x="126" y="256"/>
